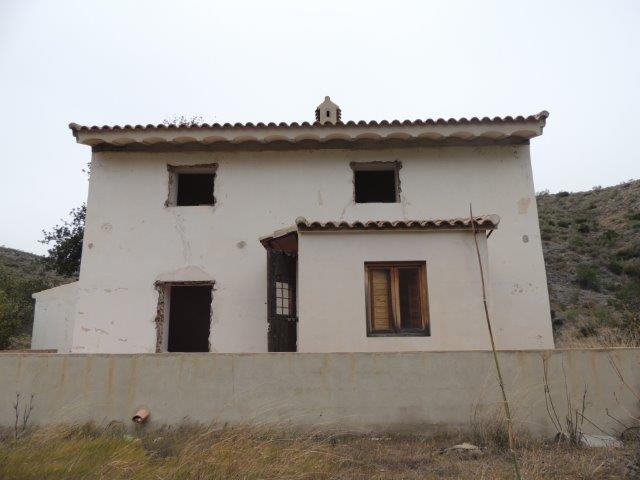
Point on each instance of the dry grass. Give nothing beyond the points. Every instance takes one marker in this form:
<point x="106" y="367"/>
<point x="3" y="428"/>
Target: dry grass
<point x="194" y="452"/>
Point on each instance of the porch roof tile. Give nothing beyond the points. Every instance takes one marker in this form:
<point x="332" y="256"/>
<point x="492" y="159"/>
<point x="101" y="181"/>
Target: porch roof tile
<point x="483" y="222"/>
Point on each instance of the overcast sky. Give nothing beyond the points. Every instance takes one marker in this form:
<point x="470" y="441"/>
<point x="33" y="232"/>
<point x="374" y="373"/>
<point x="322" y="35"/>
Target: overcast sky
<point x="120" y="61"/>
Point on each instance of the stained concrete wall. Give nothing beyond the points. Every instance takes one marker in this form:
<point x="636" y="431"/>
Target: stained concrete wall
<point x="333" y="263"/>
<point x="358" y="391"/>
<point x="133" y="240"/>
<point x="54" y="318"/>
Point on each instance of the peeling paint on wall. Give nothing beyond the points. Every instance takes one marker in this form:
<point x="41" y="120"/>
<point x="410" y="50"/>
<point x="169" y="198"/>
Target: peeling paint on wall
<point x="523" y="205"/>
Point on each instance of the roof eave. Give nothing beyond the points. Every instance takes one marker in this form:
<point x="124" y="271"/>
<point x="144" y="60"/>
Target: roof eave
<point x="461" y="130"/>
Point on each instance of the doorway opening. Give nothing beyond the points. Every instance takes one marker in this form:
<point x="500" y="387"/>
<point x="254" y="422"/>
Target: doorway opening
<point x="184" y="317"/>
<point x="282" y="315"/>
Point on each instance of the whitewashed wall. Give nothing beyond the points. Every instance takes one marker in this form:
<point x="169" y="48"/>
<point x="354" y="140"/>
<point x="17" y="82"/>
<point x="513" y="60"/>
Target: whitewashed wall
<point x="333" y="263"/>
<point x="132" y="239"/>
<point x="54" y="317"/>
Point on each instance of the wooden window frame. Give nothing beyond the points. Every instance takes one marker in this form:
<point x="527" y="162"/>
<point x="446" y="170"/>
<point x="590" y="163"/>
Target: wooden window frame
<point x="395" y="300"/>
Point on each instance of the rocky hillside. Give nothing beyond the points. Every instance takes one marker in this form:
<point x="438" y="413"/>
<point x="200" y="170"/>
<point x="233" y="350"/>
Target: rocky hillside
<point x="21" y="274"/>
<point x="591" y="244"/>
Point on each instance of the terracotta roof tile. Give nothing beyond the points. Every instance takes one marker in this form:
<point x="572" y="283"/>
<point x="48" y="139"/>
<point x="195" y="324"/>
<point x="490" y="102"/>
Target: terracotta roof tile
<point x="362" y="123"/>
<point x="290" y="234"/>
<point x="484" y="222"/>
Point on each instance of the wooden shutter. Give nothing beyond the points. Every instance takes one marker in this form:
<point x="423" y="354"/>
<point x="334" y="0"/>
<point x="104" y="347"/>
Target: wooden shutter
<point x="415" y="310"/>
<point x="410" y="301"/>
<point x="381" y="309"/>
<point x="396" y="298"/>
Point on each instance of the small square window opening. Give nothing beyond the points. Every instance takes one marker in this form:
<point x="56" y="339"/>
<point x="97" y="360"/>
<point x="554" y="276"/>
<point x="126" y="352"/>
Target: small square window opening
<point x="376" y="182"/>
<point x="195" y="189"/>
<point x="191" y="185"/>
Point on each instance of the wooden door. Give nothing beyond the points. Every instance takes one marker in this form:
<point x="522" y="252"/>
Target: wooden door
<point x="281" y="301"/>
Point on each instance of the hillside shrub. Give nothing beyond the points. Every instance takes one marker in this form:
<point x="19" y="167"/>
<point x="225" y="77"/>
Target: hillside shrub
<point x="576" y="241"/>
<point x="9" y="320"/>
<point x="631" y="251"/>
<point x="16" y="305"/>
<point x="609" y="236"/>
<point x="588" y="331"/>
<point x="632" y="267"/>
<point x="587" y="277"/>
<point x="615" y="267"/>
<point x="630" y="293"/>
<point x="563" y="194"/>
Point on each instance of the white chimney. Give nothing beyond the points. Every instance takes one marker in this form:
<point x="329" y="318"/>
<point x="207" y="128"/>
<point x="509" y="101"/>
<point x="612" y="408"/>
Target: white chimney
<point x="328" y="112"/>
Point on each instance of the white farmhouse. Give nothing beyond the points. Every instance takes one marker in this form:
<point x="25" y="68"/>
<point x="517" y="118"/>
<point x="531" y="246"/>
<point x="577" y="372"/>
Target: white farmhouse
<point x="328" y="236"/>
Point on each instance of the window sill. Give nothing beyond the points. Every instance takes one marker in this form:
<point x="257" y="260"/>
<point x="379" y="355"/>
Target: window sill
<point x="401" y="334"/>
<point x="210" y="205"/>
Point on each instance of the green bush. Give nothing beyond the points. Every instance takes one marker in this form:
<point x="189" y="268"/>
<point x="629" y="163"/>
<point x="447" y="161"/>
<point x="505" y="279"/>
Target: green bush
<point x="632" y="268"/>
<point x="609" y="236"/>
<point x="588" y="331"/>
<point x="632" y="251"/>
<point x="587" y="277"/>
<point x="563" y="194"/>
<point x="9" y="320"/>
<point x="576" y="241"/>
<point x="16" y="305"/>
<point x="615" y="267"/>
<point x="629" y="294"/>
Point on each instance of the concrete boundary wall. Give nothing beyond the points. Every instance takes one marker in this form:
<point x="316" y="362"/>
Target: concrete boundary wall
<point x="355" y="391"/>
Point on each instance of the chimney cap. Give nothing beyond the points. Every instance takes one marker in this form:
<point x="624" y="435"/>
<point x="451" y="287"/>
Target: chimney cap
<point x="328" y="112"/>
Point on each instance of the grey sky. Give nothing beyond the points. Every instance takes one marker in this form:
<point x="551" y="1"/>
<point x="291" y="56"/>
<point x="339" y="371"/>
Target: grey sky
<point x="119" y="61"/>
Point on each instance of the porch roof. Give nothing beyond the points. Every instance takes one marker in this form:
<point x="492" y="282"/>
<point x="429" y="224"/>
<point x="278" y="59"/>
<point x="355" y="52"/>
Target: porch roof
<point x="483" y="222"/>
<point x="287" y="236"/>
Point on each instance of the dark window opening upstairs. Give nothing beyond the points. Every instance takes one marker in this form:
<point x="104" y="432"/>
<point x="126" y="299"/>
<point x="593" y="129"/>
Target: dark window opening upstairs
<point x="375" y="186"/>
<point x="195" y="189"/>
<point x="189" y="318"/>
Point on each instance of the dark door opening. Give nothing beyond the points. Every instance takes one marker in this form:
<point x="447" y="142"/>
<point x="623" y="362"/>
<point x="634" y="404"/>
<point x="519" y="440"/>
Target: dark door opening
<point x="281" y="301"/>
<point x="189" y="318"/>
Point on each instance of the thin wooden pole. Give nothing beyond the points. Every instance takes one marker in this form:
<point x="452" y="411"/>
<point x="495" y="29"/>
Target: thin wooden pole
<point x="505" y="402"/>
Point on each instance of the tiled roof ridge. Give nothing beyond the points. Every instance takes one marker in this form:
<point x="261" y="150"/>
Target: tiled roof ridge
<point x="482" y="221"/>
<point x="541" y="116"/>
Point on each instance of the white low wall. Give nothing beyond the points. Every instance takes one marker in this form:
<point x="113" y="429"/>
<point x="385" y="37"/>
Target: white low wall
<point x="53" y="318"/>
<point x="356" y="391"/>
